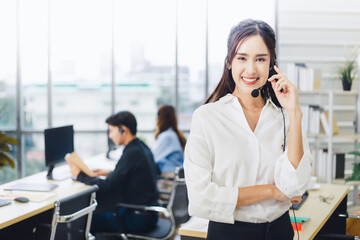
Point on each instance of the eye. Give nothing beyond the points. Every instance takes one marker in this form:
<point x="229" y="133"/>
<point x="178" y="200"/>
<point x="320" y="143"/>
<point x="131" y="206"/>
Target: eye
<point x="260" y="59"/>
<point x="241" y="58"/>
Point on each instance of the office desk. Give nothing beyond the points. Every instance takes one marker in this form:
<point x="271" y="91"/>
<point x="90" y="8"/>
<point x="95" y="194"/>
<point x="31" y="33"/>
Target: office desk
<point x="17" y="212"/>
<point x="20" y="214"/>
<point x="323" y="215"/>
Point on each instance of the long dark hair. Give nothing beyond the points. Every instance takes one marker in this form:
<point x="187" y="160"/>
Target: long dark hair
<point x="166" y="119"/>
<point x="238" y="33"/>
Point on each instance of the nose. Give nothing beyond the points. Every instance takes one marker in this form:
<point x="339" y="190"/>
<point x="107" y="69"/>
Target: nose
<point x="250" y="68"/>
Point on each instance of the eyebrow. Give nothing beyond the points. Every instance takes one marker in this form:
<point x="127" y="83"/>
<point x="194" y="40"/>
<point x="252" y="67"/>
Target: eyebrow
<point x="258" y="55"/>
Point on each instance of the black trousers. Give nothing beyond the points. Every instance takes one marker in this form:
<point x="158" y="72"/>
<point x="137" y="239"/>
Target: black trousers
<point x="279" y="229"/>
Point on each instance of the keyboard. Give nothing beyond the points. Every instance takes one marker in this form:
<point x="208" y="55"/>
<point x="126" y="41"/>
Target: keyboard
<point x="298" y="205"/>
<point x="4" y="202"/>
<point x="36" y="187"/>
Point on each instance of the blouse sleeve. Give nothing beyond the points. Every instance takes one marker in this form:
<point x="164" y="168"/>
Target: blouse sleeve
<point x="294" y="182"/>
<point x="206" y="199"/>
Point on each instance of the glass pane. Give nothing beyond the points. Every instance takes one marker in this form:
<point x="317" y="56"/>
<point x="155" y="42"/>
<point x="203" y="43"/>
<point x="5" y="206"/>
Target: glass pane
<point x="191" y="58"/>
<point x="147" y="137"/>
<point x="145" y="57"/>
<point x="8" y="64"/>
<point x="34" y="153"/>
<point x="7" y="173"/>
<point x="33" y="48"/>
<point x="81" y="62"/>
<point x="90" y="144"/>
<point x="231" y="12"/>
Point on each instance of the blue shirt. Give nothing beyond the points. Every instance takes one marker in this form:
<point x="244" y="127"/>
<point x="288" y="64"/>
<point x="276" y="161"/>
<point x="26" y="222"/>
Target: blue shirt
<point x="168" y="153"/>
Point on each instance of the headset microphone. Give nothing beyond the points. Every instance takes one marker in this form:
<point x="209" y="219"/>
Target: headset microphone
<point x="255" y="92"/>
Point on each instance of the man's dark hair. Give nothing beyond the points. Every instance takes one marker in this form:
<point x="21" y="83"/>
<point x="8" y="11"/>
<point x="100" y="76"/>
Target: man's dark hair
<point x="123" y="118"/>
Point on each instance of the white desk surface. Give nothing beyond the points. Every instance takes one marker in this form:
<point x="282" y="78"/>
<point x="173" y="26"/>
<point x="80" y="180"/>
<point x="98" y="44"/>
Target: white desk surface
<point x="313" y="207"/>
<point x="17" y="212"/>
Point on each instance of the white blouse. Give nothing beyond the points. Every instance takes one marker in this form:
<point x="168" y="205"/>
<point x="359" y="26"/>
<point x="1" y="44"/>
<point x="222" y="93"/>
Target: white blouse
<point x="222" y="153"/>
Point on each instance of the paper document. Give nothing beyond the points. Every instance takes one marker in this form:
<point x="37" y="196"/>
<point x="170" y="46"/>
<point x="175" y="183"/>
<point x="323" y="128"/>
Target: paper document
<point x="76" y="160"/>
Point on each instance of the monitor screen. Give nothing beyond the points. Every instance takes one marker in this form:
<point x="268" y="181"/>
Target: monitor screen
<point x="111" y="144"/>
<point x="58" y="142"/>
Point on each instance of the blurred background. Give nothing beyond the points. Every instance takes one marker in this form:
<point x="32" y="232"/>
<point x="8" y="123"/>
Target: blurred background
<point x="78" y="61"/>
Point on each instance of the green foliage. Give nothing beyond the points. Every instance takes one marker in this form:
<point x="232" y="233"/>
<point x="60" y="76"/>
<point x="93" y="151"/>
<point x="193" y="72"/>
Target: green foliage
<point x="5" y="142"/>
<point x="347" y="72"/>
<point x="356" y="169"/>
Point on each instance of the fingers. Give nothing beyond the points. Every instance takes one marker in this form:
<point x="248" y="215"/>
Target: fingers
<point x="296" y="199"/>
<point x="277" y="69"/>
<point x="281" y="85"/>
<point x="279" y="81"/>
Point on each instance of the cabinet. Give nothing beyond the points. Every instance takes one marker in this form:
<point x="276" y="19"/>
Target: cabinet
<point x="344" y="105"/>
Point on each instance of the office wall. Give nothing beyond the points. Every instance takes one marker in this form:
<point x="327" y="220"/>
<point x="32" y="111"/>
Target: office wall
<point x="322" y="34"/>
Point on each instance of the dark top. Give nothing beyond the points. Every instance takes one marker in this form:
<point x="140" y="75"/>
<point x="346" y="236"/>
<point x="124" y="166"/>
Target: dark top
<point x="133" y="180"/>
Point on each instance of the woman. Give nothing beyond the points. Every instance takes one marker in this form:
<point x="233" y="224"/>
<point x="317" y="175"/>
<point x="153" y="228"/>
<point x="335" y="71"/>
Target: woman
<point x="246" y="158"/>
<point x="170" y="142"/>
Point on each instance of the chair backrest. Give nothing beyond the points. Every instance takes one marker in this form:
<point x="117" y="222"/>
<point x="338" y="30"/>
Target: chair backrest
<point x="72" y="215"/>
<point x="178" y="202"/>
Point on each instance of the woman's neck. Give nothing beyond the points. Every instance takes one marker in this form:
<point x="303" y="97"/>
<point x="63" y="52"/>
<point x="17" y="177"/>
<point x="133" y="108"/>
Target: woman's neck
<point x="250" y="103"/>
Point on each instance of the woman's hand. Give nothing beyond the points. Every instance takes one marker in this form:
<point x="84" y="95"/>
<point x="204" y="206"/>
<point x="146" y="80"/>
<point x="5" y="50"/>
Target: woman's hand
<point x="296" y="199"/>
<point x="288" y="98"/>
<point x="278" y="195"/>
<point x="101" y="172"/>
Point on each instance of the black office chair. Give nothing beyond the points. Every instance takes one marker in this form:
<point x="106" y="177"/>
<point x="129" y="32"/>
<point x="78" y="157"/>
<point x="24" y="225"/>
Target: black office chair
<point x="165" y="182"/>
<point x="180" y="202"/>
<point x="339" y="236"/>
<point x="170" y="217"/>
<point x="71" y="218"/>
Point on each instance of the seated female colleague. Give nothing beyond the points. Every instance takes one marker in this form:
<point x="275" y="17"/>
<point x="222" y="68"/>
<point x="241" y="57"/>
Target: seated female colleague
<point x="170" y="142"/>
<point x="247" y="158"/>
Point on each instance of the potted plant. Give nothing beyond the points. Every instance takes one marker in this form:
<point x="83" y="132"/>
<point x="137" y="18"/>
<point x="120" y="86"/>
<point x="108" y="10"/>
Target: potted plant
<point x="356" y="169"/>
<point x="347" y="74"/>
<point x="5" y="142"/>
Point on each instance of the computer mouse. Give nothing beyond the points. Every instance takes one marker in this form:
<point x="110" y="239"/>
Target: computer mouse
<point x="21" y="199"/>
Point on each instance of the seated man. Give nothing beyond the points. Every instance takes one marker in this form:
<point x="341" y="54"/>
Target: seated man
<point x="133" y="181"/>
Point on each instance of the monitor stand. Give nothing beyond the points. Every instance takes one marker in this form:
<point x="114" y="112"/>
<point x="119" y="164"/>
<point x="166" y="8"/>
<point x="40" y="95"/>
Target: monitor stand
<point x="49" y="174"/>
<point x="59" y="176"/>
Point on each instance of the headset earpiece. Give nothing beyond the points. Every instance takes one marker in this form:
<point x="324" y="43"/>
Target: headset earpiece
<point x="121" y="130"/>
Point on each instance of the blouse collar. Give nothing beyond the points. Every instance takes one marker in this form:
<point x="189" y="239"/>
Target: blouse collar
<point x="230" y="98"/>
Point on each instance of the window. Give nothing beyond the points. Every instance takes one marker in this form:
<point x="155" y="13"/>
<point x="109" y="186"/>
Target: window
<point x="8" y="65"/>
<point x="81" y="62"/>
<point x="34" y="62"/>
<point x="191" y="55"/>
<point x="145" y="57"/>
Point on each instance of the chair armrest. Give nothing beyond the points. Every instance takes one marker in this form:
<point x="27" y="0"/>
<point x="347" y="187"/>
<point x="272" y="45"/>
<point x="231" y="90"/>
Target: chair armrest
<point x="164" y="192"/>
<point x="144" y="208"/>
<point x="349" y="215"/>
<point x="165" y="178"/>
<point x="78" y="214"/>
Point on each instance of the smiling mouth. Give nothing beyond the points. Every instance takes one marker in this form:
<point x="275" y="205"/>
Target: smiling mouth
<point x="249" y="81"/>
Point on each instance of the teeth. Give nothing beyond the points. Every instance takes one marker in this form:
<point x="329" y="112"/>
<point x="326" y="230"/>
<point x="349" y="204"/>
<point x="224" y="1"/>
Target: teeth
<point x="249" y="79"/>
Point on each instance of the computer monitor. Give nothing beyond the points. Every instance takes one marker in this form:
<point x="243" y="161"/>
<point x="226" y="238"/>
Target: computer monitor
<point x="58" y="142"/>
<point x="111" y="145"/>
